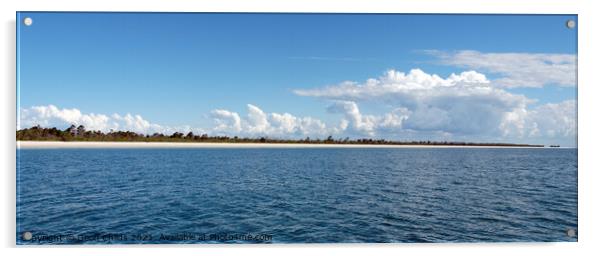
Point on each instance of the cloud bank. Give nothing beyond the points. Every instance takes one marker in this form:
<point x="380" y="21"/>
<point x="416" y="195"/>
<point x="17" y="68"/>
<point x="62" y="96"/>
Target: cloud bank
<point x="52" y="116"/>
<point x="255" y="123"/>
<point x="465" y="104"/>
<point x="259" y="123"/>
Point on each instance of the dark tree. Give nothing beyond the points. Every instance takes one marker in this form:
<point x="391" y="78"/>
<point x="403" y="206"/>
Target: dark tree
<point x="72" y="129"/>
<point x="177" y="135"/>
<point x="81" y="130"/>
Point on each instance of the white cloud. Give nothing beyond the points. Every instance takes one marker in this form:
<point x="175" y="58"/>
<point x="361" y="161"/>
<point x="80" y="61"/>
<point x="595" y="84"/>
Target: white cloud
<point x="256" y="123"/>
<point x="363" y="124"/>
<point x="555" y="120"/>
<point x="226" y="121"/>
<point x="308" y="126"/>
<point x="464" y="103"/>
<point x="473" y="112"/>
<point x="52" y="116"/>
<point x="457" y="106"/>
<point x="284" y="123"/>
<point x="259" y="123"/>
<point x="516" y="69"/>
<point x="550" y="120"/>
<point x="398" y="84"/>
<point x="369" y="124"/>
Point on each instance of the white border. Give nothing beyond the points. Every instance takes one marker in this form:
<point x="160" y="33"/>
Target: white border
<point x="589" y="121"/>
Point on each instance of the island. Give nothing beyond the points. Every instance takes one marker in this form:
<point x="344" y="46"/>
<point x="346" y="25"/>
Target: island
<point x="80" y="134"/>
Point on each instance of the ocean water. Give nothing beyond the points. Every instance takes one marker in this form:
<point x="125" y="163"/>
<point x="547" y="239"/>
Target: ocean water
<point x="100" y="196"/>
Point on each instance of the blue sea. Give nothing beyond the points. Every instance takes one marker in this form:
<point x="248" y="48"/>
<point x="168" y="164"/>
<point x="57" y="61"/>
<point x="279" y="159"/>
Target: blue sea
<point x="302" y="195"/>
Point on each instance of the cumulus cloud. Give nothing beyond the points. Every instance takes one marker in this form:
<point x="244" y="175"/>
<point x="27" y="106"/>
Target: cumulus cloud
<point x="369" y="124"/>
<point x="550" y="120"/>
<point x="259" y="123"/>
<point x="554" y="120"/>
<point x="397" y="84"/>
<point x="465" y="104"/>
<point x="516" y="69"/>
<point x="52" y="116"/>
<point x="226" y="121"/>
<point x="255" y="123"/>
<point x="284" y="123"/>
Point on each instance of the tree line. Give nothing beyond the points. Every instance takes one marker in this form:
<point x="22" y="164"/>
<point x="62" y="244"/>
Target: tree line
<point x="79" y="133"/>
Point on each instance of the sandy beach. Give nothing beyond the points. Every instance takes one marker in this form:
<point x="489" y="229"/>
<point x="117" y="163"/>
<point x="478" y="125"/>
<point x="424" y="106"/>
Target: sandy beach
<point x="111" y="144"/>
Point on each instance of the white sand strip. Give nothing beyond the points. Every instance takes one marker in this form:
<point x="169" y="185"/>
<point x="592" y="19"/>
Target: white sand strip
<point x="107" y="144"/>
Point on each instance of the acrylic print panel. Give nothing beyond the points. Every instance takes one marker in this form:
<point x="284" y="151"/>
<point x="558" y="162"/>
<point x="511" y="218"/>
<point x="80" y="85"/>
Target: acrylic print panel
<point x="295" y="128"/>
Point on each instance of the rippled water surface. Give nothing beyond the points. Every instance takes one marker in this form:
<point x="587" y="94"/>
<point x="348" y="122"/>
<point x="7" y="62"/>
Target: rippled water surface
<point x="296" y="195"/>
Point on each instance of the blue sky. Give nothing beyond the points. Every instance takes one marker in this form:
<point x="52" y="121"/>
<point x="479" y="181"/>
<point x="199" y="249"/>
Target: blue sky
<point x="175" y="70"/>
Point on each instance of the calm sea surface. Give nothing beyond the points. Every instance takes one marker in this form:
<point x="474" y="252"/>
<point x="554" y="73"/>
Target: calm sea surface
<point x="295" y="195"/>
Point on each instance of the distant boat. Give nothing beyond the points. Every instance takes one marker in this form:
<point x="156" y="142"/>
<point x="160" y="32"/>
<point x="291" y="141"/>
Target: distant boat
<point x="554" y="146"/>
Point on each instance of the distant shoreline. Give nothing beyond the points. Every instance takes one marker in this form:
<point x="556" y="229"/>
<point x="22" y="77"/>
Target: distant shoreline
<point x="178" y="139"/>
<point x="27" y="144"/>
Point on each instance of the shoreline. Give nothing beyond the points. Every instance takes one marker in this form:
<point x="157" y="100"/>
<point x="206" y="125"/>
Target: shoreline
<point x="128" y="144"/>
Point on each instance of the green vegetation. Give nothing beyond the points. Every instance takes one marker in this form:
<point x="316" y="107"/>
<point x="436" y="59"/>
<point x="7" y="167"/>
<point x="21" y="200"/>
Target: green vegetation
<point x="79" y="133"/>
